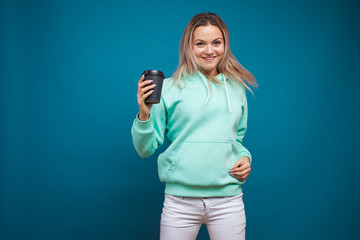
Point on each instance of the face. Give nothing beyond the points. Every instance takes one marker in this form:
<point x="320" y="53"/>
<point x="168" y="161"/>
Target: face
<point x="208" y="47"/>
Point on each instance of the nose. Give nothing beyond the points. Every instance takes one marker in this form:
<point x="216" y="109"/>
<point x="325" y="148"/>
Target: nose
<point x="209" y="50"/>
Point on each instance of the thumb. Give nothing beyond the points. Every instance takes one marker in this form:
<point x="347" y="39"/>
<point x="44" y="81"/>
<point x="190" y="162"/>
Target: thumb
<point x="237" y="164"/>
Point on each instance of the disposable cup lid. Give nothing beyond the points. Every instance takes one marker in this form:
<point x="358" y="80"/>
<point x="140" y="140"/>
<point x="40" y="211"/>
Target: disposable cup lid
<point x="154" y="72"/>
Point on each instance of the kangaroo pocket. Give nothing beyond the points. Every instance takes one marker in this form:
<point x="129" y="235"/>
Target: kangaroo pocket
<point x="202" y="164"/>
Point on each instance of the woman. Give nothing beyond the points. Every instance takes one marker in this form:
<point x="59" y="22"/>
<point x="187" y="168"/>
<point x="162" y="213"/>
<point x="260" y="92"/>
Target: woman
<point x="203" y="111"/>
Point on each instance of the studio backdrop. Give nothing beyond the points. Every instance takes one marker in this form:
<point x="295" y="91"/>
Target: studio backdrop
<point x="69" y="73"/>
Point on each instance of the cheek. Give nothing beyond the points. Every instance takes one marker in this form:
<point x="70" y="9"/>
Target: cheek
<point x="221" y="51"/>
<point x="197" y="52"/>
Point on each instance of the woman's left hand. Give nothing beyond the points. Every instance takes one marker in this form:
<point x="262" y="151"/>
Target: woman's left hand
<point x="241" y="169"/>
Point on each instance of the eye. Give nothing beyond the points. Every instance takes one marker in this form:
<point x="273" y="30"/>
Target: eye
<point x="217" y="43"/>
<point x="199" y="44"/>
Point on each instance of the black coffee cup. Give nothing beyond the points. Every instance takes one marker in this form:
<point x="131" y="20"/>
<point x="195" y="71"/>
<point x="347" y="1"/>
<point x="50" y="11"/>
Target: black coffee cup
<point x="158" y="78"/>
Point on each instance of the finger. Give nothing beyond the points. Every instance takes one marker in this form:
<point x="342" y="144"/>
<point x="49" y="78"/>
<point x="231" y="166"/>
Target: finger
<point x="243" y="167"/>
<point x="242" y="161"/>
<point x="142" y="78"/>
<point x="148" y="88"/>
<point x="237" y="164"/>
<point x="146" y="95"/>
<point x="240" y="173"/>
<point x="144" y="83"/>
<point x="241" y="178"/>
<point x="240" y="168"/>
<point x="143" y="91"/>
<point x="244" y="173"/>
<point x="244" y="178"/>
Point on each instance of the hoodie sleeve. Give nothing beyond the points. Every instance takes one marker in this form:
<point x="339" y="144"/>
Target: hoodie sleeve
<point x="241" y="131"/>
<point x="147" y="136"/>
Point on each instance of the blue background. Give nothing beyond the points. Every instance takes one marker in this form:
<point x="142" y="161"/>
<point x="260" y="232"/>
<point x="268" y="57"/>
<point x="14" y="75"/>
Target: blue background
<point x="69" y="73"/>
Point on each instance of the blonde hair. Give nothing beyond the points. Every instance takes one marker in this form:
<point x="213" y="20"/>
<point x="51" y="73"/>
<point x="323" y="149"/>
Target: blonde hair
<point x="228" y="65"/>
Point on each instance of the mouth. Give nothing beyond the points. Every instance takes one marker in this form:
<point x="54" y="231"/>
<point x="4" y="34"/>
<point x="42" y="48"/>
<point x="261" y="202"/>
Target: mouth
<point x="208" y="59"/>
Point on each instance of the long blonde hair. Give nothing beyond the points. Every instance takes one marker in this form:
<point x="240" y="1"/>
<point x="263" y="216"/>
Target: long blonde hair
<point x="228" y="65"/>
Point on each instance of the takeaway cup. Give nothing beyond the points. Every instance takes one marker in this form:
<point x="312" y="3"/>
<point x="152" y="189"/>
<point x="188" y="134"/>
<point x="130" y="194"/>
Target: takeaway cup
<point x="158" y="78"/>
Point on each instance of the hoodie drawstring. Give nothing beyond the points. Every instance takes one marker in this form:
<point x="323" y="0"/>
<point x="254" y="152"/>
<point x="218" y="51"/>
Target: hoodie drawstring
<point x="227" y="93"/>
<point x="208" y="90"/>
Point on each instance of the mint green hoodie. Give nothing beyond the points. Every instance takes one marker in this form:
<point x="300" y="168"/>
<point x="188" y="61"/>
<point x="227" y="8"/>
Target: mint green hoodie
<point x="205" y="124"/>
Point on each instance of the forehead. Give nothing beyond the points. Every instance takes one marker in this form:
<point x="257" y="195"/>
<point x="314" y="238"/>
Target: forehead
<point x="209" y="32"/>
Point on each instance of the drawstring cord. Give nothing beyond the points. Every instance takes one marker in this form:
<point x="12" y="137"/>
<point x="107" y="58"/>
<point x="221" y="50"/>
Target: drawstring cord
<point x="227" y="93"/>
<point x="208" y="90"/>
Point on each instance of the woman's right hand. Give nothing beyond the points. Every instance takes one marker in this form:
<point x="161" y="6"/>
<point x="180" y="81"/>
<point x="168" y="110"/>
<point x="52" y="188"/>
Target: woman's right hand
<point x="144" y="90"/>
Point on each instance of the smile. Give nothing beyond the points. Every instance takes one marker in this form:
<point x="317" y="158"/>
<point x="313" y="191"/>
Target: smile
<point x="208" y="59"/>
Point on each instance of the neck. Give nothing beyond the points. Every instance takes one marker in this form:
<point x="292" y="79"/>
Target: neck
<point x="212" y="73"/>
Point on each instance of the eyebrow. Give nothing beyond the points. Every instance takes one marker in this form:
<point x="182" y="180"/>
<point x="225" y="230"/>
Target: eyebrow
<point x="204" y="41"/>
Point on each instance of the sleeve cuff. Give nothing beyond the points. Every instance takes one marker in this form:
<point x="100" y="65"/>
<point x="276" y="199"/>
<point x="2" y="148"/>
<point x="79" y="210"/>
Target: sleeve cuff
<point x="246" y="154"/>
<point x="143" y="124"/>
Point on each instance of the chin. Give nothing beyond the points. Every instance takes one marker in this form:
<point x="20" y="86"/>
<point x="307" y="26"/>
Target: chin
<point x="207" y="69"/>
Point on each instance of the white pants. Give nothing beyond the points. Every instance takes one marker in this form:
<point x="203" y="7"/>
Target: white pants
<point x="182" y="218"/>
